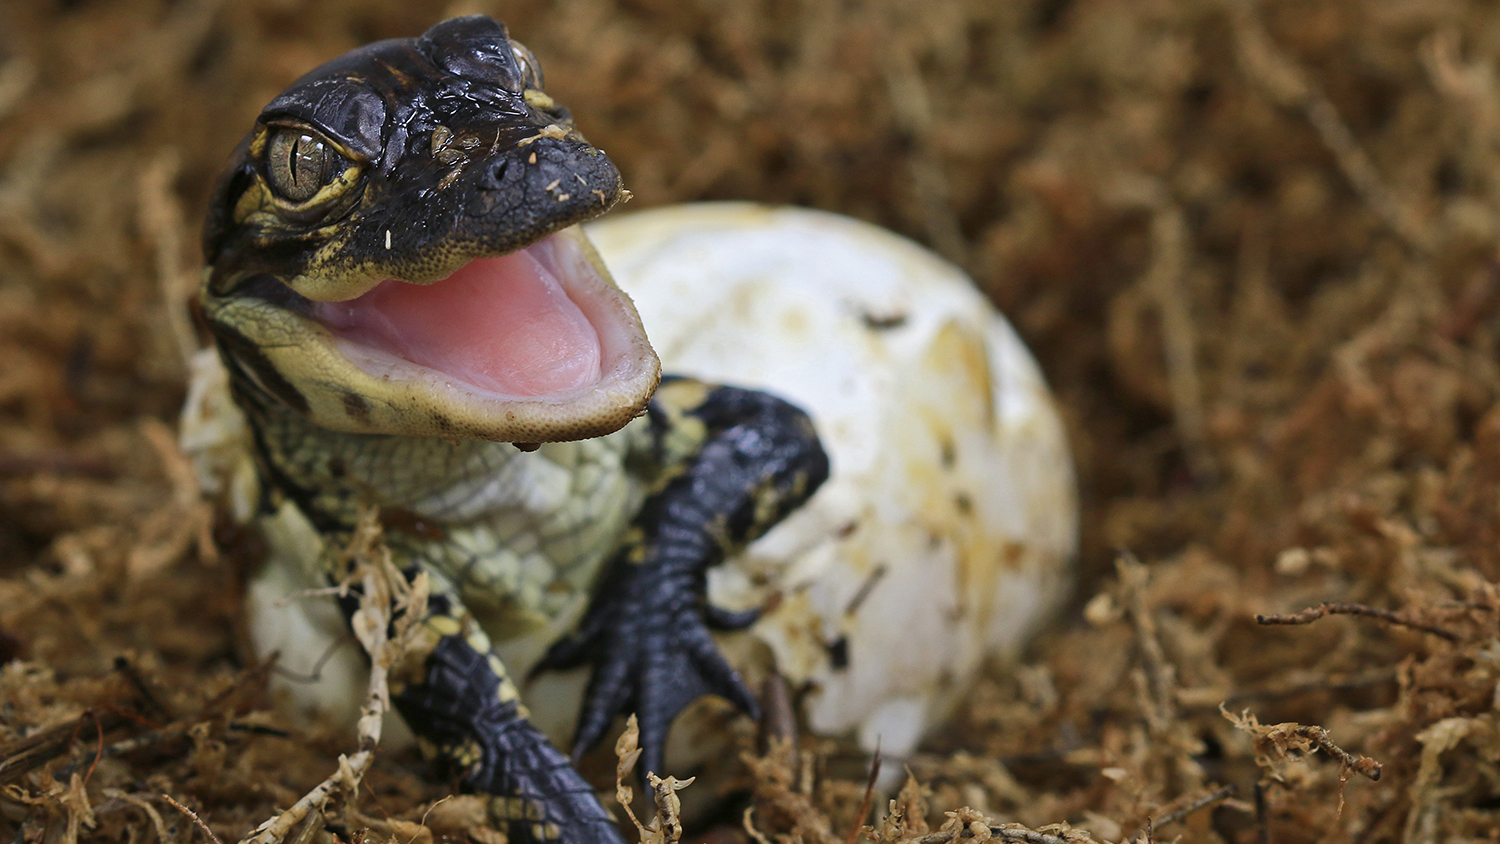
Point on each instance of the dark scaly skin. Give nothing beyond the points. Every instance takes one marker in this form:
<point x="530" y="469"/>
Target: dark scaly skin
<point x="708" y="469"/>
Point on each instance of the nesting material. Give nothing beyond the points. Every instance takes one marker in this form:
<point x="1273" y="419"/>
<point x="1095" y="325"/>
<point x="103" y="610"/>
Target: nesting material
<point x="1252" y="246"/>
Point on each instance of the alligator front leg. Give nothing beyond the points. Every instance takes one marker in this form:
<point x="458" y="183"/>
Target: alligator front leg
<point x="466" y="707"/>
<point x="732" y="463"/>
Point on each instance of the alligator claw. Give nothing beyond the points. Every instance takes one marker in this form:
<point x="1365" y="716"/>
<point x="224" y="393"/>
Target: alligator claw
<point x="721" y="619"/>
<point x="653" y="655"/>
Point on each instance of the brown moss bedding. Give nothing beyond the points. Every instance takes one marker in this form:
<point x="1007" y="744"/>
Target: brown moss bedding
<point x="1253" y="246"/>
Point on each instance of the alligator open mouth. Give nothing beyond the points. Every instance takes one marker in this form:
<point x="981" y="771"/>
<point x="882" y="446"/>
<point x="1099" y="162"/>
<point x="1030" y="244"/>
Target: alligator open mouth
<point x="538" y="322"/>
<point x="536" y="345"/>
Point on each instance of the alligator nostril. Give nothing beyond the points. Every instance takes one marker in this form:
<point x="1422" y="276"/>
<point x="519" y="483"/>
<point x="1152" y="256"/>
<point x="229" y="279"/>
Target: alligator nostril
<point x="498" y="171"/>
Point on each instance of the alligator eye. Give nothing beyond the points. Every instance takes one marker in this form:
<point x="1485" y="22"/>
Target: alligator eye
<point x="300" y="164"/>
<point x="531" y="72"/>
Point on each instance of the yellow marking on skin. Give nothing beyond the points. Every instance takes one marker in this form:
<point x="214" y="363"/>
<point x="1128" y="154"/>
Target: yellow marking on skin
<point x="475" y="638"/>
<point x="445" y="625"/>
<point x="538" y="99"/>
<point x="685" y="394"/>
<point x="633" y="543"/>
<point x="252" y="201"/>
<point x="767" y="500"/>
<point x="497" y="666"/>
<point x="684" y="438"/>
<point x="507" y="692"/>
<point x="685" y="434"/>
<point x="510" y="808"/>
<point x="465" y="755"/>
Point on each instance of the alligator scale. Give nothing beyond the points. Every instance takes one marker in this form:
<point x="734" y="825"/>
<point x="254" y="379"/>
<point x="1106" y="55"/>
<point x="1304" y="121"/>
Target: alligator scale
<point x="408" y="316"/>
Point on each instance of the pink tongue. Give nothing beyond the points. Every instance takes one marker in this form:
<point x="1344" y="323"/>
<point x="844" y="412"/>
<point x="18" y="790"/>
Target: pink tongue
<point x="502" y="324"/>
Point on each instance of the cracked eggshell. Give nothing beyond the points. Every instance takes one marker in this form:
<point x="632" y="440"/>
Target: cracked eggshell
<point x="947" y="531"/>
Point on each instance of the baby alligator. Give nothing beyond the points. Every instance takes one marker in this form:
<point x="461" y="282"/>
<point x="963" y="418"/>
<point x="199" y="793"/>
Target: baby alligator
<point x="412" y="321"/>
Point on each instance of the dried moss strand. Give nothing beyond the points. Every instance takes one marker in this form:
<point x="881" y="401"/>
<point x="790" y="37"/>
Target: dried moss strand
<point x="1206" y="800"/>
<point x="1028" y="836"/>
<point x="868" y="801"/>
<point x="197" y="821"/>
<point x="1362" y="765"/>
<point x="1327" y="608"/>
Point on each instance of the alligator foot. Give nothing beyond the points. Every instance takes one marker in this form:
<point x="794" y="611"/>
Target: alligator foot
<point x="648" y="640"/>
